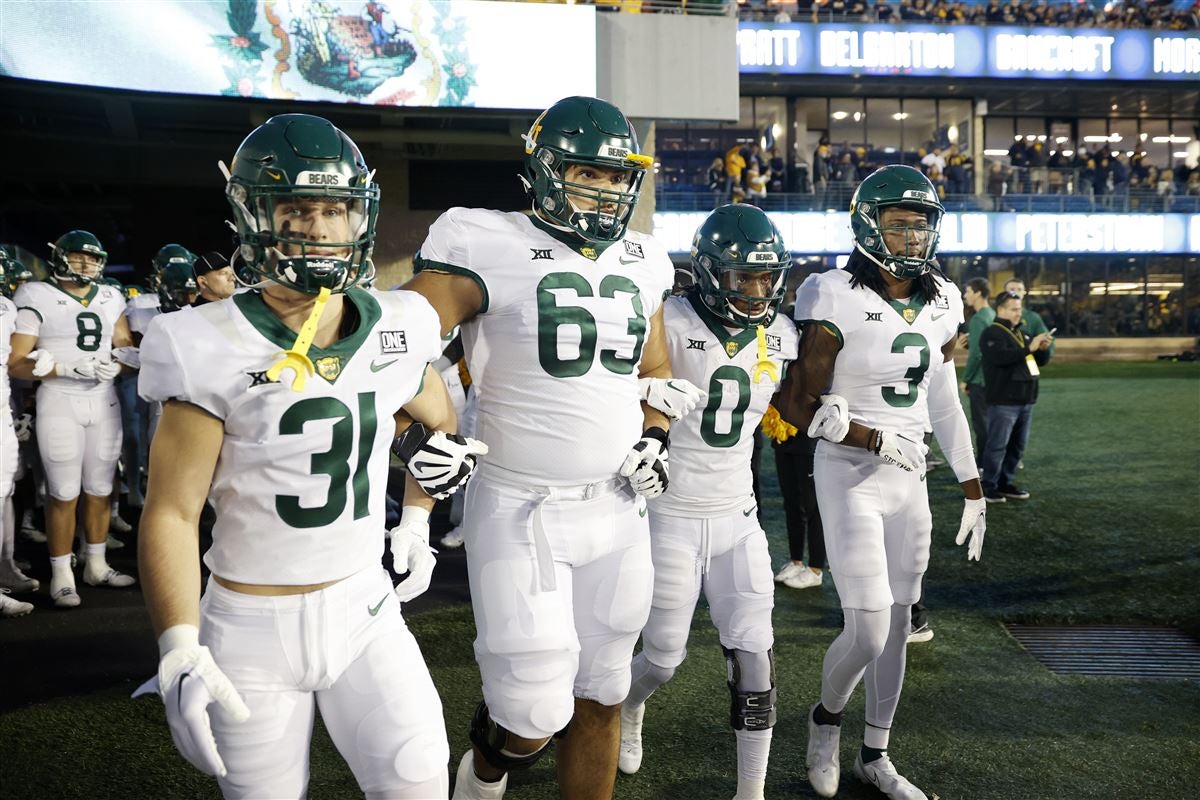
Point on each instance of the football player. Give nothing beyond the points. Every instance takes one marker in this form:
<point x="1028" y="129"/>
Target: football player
<point x="881" y="334"/>
<point x="66" y="331"/>
<point x="723" y="335"/>
<point x="293" y="453"/>
<point x="561" y="313"/>
<point x="11" y="577"/>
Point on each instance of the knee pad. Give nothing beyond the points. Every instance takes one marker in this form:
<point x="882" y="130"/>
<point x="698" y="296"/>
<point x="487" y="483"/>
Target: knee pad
<point x="751" y="710"/>
<point x="490" y="737"/>
<point x="869" y="630"/>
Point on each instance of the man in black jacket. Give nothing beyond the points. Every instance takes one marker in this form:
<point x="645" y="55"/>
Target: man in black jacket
<point x="1011" y="361"/>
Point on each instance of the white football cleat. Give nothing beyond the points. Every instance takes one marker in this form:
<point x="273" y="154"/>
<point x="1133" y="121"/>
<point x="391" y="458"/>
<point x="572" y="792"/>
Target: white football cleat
<point x="17" y="581"/>
<point x="824" y="742"/>
<point x="921" y="634"/>
<point x="454" y="539"/>
<point x="111" y="578"/>
<point x="881" y="774"/>
<point x="113" y="543"/>
<point x="805" y="579"/>
<point x="13" y="608"/>
<point x="790" y="570"/>
<point x="119" y="525"/>
<point x="67" y="597"/>
<point x="468" y="785"/>
<point x="630" y="759"/>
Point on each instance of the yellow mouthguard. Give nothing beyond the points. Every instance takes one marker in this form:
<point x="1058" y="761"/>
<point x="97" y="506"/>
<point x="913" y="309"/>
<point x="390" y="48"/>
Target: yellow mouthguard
<point x="296" y="358"/>
<point x="764" y="364"/>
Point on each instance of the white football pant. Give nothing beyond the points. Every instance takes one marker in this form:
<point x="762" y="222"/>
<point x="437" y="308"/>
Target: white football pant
<point x="79" y="439"/>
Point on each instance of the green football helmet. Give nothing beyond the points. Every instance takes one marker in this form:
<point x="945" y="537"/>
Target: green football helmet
<point x="177" y="288"/>
<point x="75" y="242"/>
<point x="12" y="272"/>
<point x="736" y="243"/>
<point x="288" y="159"/>
<point x="895" y="186"/>
<point x="5" y="260"/>
<point x="583" y="131"/>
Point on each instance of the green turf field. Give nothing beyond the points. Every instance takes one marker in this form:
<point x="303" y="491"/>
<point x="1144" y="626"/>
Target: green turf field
<point x="1110" y="535"/>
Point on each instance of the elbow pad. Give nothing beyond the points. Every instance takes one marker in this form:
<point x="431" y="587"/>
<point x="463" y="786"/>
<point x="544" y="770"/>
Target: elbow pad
<point x="950" y="423"/>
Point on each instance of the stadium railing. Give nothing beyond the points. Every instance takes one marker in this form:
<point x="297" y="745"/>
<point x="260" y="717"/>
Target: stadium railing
<point x="837" y="198"/>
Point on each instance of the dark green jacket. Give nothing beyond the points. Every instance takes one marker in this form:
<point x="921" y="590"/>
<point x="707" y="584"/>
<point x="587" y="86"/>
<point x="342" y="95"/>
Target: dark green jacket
<point x="973" y="373"/>
<point x="1032" y="324"/>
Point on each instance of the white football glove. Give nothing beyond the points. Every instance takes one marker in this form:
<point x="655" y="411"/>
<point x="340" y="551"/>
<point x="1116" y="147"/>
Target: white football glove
<point x="107" y="370"/>
<point x="440" y="462"/>
<point x="674" y="397"/>
<point x="411" y="553"/>
<point x="129" y="356"/>
<point x="974" y="523"/>
<point x="23" y="427"/>
<point x="832" y="420"/>
<point x="900" y="451"/>
<point x="84" y="369"/>
<point x="43" y="363"/>
<point x="189" y="681"/>
<point x="646" y="464"/>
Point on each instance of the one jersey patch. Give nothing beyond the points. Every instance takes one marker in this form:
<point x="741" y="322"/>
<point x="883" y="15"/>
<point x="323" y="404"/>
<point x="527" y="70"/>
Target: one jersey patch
<point x="556" y="350"/>
<point x="711" y="447"/>
<point x="299" y="485"/>
<point x="888" y="349"/>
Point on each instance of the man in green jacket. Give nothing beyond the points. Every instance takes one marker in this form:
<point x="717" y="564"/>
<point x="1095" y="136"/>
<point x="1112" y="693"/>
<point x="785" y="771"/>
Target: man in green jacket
<point x="976" y="296"/>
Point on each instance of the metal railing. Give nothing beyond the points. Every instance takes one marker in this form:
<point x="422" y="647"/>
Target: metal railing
<point x="764" y="11"/>
<point x="837" y="198"/>
<point x="706" y="8"/>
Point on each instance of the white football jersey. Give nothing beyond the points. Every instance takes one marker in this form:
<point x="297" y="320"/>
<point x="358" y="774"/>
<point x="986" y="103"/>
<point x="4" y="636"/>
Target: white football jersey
<point x="712" y="446"/>
<point x="555" y="351"/>
<point x="71" y="328"/>
<point x="299" y="486"/>
<point x="141" y="310"/>
<point x="8" y="325"/>
<point x="888" y="349"/>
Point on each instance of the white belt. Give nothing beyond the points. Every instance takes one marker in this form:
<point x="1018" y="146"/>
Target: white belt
<point x="547" y="581"/>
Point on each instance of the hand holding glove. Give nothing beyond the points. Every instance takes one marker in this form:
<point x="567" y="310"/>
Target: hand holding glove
<point x="674" y="397"/>
<point x="974" y="524"/>
<point x="440" y="462"/>
<point x="832" y="420"/>
<point x="898" y="450"/>
<point x="189" y="681"/>
<point x="646" y="464"/>
<point x="411" y="553"/>
<point x="43" y="363"/>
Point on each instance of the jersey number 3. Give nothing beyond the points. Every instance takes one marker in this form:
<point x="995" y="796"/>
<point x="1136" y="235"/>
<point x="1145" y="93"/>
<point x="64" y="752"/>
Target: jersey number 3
<point x="334" y="462"/>
<point x="552" y="316"/>
<point x="914" y="375"/>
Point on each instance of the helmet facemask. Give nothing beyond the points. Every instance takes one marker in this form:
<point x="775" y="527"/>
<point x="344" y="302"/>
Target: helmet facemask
<point x="719" y="284"/>
<point x="272" y="251"/>
<point x="63" y="270"/>
<point x="916" y="255"/>
<point x="562" y="202"/>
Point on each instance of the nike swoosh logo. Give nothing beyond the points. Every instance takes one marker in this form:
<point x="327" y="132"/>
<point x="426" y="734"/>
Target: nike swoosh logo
<point x="379" y="605"/>
<point x="936" y="317"/>
<point x="749" y="511"/>
<point x="626" y="263"/>
<point x="376" y="366"/>
<point x="671" y="385"/>
<point x="641" y="512"/>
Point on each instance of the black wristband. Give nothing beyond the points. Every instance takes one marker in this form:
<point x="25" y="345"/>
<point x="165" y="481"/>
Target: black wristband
<point x="658" y="434"/>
